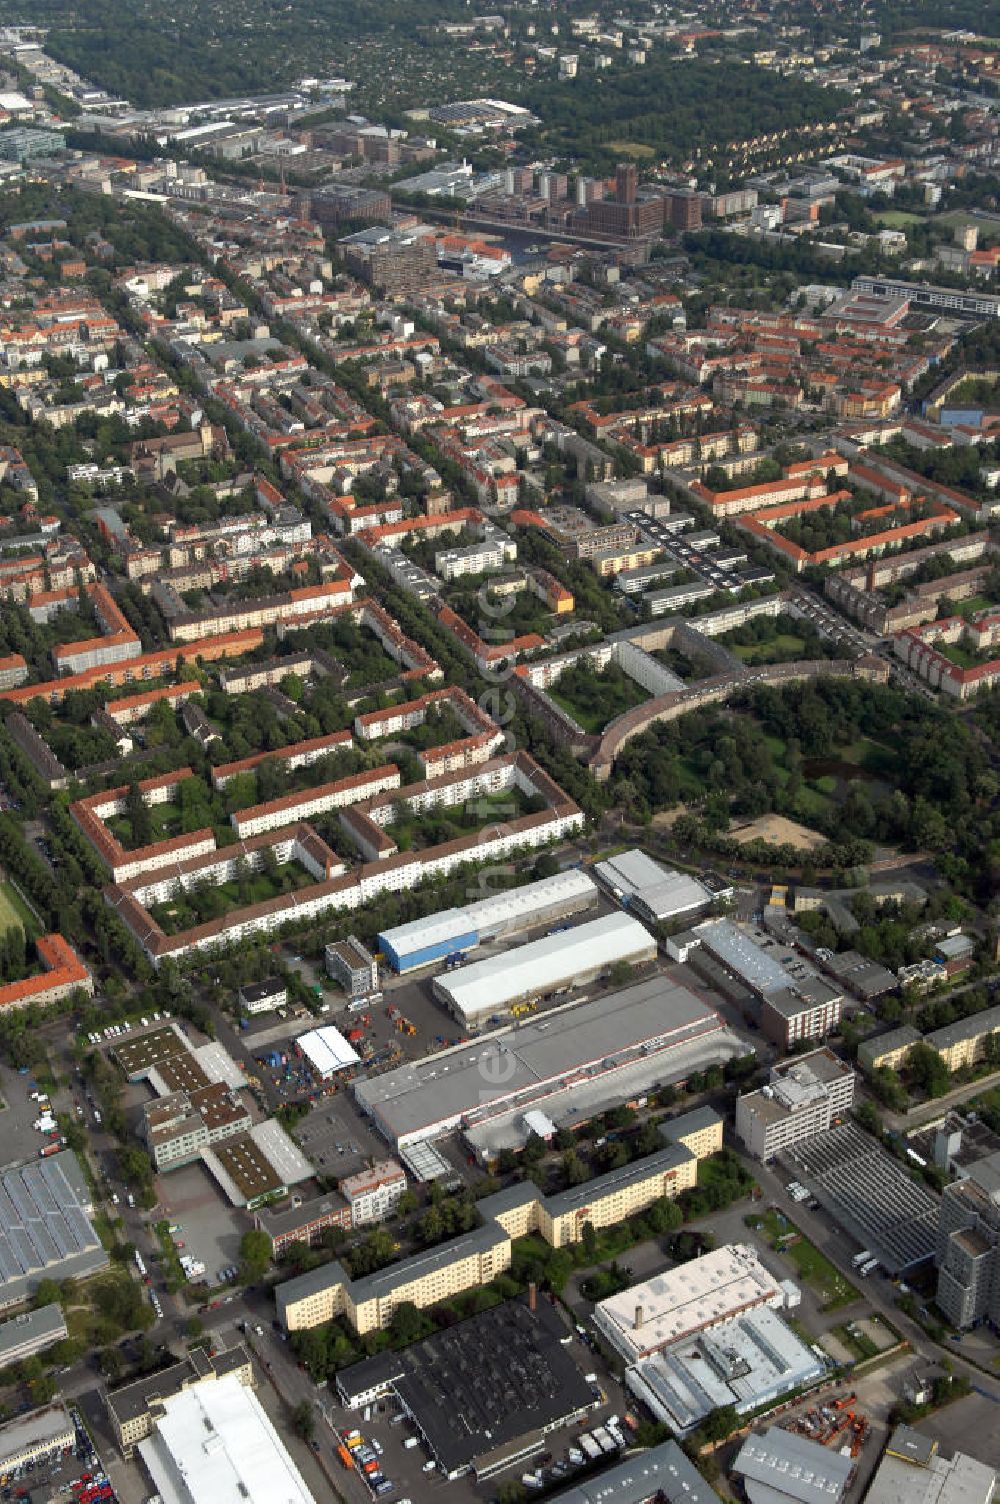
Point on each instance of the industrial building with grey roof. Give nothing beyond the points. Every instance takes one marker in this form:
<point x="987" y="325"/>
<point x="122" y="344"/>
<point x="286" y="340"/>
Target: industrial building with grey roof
<point x="646" y="1032"/>
<point x="45" y="1229"/>
<point x="870" y="1194"/>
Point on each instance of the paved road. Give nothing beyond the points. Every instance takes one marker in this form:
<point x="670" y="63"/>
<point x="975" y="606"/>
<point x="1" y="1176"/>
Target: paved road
<point x="878" y="1292"/>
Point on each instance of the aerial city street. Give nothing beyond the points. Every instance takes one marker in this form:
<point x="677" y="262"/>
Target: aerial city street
<point x="500" y="752"/>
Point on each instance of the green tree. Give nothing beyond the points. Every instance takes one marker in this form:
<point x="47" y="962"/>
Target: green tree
<point x="304" y="1420"/>
<point x="255" y="1255"/>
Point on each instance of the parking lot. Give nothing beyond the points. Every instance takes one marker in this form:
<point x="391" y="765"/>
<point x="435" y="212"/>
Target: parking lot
<point x="21" y="1140"/>
<point x="336" y="1138"/>
<point x="211" y="1229"/>
<point x="78" y="1470"/>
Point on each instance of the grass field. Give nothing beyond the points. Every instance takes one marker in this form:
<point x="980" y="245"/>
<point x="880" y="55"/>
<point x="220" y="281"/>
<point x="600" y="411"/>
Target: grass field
<point x="898" y="219"/>
<point x="14" y="912"/>
<point x="958" y="217"/>
<point x="810" y="1265"/>
<point x="631" y="149"/>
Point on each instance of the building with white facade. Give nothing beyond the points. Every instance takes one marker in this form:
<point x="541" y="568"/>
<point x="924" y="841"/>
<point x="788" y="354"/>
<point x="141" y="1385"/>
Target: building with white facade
<point x="215" y="1444"/>
<point x="804" y="1096"/>
<point x="373" y="1194"/>
<point x="556" y="963"/>
<point x="685" y="1301"/>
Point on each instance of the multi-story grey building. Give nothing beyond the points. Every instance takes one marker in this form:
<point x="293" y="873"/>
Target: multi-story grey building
<point x="968" y="1246"/>
<point x="803" y="1097"/>
<point x="350" y="964"/>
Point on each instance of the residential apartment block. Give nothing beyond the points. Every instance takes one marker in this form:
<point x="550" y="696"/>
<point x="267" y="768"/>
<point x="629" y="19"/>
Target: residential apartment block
<point x="968" y="1246"/>
<point x="372" y="1194"/>
<point x="477" y="1257"/>
<point x="135" y="1408"/>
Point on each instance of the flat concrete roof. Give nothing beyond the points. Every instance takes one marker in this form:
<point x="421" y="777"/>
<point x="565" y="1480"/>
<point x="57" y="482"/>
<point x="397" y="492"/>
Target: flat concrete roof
<point x="44" y="1324"/>
<point x="494" y="984"/>
<point x="34" y="1429"/>
<point x="215" y="1444"/>
<point x="426" y="1097"/>
<point x="685" y="1299"/>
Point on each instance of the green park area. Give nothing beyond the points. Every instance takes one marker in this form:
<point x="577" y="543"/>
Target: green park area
<point x="811" y="1266"/>
<point x="594" y="697"/>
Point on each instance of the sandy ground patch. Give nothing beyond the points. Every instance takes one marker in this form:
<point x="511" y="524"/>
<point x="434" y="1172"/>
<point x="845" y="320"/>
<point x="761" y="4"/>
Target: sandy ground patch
<point x="837" y="1349"/>
<point x="780" y="832"/>
<point x="666" y="818"/>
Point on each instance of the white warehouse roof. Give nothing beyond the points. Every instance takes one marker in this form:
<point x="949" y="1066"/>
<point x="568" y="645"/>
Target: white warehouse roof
<point x="531" y="900"/>
<point x="214" y="1444"/>
<point x="489" y="914"/>
<point x="327" y="1050"/>
<point x="661" y="892"/>
<point x="495" y="984"/>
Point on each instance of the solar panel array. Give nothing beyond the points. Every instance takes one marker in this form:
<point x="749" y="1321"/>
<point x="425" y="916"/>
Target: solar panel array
<point x="870" y="1194"/>
<point x="41" y="1219"/>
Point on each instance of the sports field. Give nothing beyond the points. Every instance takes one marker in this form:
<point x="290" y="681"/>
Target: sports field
<point x="14" y="912"/>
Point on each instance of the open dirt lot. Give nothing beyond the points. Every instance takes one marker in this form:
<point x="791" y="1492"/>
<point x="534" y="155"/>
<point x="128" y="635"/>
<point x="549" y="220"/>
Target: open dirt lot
<point x="780" y="832"/>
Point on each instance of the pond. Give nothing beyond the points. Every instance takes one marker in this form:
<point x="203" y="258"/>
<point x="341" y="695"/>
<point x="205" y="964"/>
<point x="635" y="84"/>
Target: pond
<point x="836" y="767"/>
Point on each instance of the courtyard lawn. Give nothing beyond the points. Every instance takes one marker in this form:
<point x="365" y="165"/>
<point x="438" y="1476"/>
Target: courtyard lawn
<point x="593" y="700"/>
<point x="976" y="603"/>
<point x="768" y="652"/>
<point x="164" y="823"/>
<point x="962" y="656"/>
<point x="813" y="1267"/>
<point x="201" y="904"/>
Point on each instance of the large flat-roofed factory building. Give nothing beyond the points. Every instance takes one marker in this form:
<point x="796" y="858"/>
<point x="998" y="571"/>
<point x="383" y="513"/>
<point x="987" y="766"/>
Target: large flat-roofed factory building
<point x="452" y="932"/>
<point x="655" y="893"/>
<point x="708" y="1334"/>
<point x="569" y="1063"/>
<point x="499" y="985"/>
